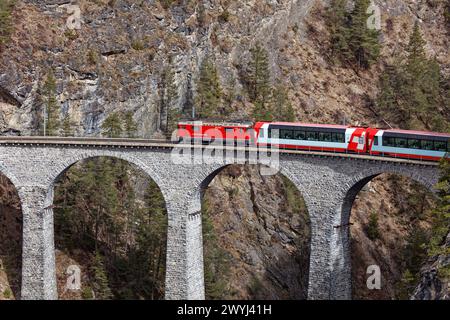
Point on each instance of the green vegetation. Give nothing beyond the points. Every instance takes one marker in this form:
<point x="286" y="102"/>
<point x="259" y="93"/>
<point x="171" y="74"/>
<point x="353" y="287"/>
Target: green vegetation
<point x="271" y="102"/>
<point x="209" y="91"/>
<point x="130" y="126"/>
<point x="441" y="214"/>
<point x="120" y="235"/>
<point x="372" y="227"/>
<point x="413" y="94"/>
<point x="112" y="126"/>
<point x="259" y="84"/>
<point x="7" y="293"/>
<point x="119" y="124"/>
<point x="51" y="108"/>
<point x="67" y="127"/>
<point x="350" y="38"/>
<point x="216" y="259"/>
<point x="6" y="27"/>
<point x="138" y="45"/>
<point x="169" y="114"/>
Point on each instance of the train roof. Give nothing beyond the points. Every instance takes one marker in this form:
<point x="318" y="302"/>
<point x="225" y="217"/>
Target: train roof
<point x="244" y="124"/>
<point x="315" y="125"/>
<point x="419" y="133"/>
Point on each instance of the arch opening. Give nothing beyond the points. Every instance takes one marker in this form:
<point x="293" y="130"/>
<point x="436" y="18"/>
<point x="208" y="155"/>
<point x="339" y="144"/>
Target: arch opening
<point x="391" y="223"/>
<point x="110" y="231"/>
<point x="11" y="224"/>
<point x="256" y="235"/>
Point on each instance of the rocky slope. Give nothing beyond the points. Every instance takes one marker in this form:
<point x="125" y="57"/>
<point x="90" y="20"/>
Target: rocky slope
<point x="115" y="61"/>
<point x="263" y="225"/>
<point x="433" y="285"/>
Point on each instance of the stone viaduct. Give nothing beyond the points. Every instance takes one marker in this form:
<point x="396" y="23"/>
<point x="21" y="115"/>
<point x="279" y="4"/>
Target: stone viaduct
<point x="329" y="184"/>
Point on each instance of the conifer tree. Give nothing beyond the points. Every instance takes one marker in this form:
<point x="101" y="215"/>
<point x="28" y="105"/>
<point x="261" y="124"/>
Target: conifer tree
<point x="282" y="107"/>
<point x="441" y="223"/>
<point x="337" y="21"/>
<point x="258" y="76"/>
<point x="259" y="83"/>
<point x="362" y="42"/>
<point x="112" y="126"/>
<point x="412" y="94"/>
<point x="100" y="278"/>
<point x="130" y="126"/>
<point x="66" y="127"/>
<point x="174" y="115"/>
<point x="168" y="94"/>
<point x="51" y="113"/>
<point x="209" y="91"/>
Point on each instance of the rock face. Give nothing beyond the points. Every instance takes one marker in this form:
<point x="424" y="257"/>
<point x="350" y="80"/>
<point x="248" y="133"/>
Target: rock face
<point x="263" y="225"/>
<point x="433" y="285"/>
<point x="116" y="59"/>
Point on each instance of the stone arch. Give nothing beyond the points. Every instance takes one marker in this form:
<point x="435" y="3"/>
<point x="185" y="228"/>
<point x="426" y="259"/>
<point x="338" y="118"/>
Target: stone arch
<point x="341" y="252"/>
<point x="10" y="176"/>
<point x="357" y="182"/>
<point x="12" y="231"/>
<point x="62" y="167"/>
<point x="214" y="171"/>
<point x="68" y="162"/>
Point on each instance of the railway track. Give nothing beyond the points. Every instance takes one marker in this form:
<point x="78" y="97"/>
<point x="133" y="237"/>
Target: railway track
<point x="164" y="144"/>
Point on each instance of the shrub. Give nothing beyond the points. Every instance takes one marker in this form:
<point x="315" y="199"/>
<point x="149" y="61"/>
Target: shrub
<point x="372" y="227"/>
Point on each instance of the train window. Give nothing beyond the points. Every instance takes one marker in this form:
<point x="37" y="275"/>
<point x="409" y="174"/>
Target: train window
<point x="325" y="136"/>
<point x="414" y="143"/>
<point x="389" y="141"/>
<point x="440" y="146"/>
<point x="261" y="133"/>
<point x="274" y="133"/>
<point x="338" y="137"/>
<point x="427" y="144"/>
<point x="311" y="136"/>
<point x="286" y="134"/>
<point x="401" y="142"/>
<point x="299" y="135"/>
<point x="197" y="129"/>
<point x="375" y="141"/>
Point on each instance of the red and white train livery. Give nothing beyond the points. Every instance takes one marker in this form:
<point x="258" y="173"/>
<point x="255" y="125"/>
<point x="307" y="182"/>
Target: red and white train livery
<point x="323" y="137"/>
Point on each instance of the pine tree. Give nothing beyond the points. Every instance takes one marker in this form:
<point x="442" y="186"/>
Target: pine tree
<point x="412" y="93"/>
<point x="51" y="110"/>
<point x="259" y="84"/>
<point x="209" y="91"/>
<point x="421" y="82"/>
<point x="112" y="126"/>
<point x="100" y="278"/>
<point x="130" y="126"/>
<point x="258" y="76"/>
<point x="441" y="214"/>
<point x="337" y="21"/>
<point x="362" y="42"/>
<point x="174" y="115"/>
<point x="283" y="110"/>
<point x="168" y="94"/>
<point x="372" y="227"/>
<point x="67" y="129"/>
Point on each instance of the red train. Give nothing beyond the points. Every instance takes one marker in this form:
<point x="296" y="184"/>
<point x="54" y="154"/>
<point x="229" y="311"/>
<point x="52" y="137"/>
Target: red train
<point x="321" y="137"/>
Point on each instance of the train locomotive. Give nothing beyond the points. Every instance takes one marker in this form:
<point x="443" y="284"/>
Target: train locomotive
<point x="421" y="145"/>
